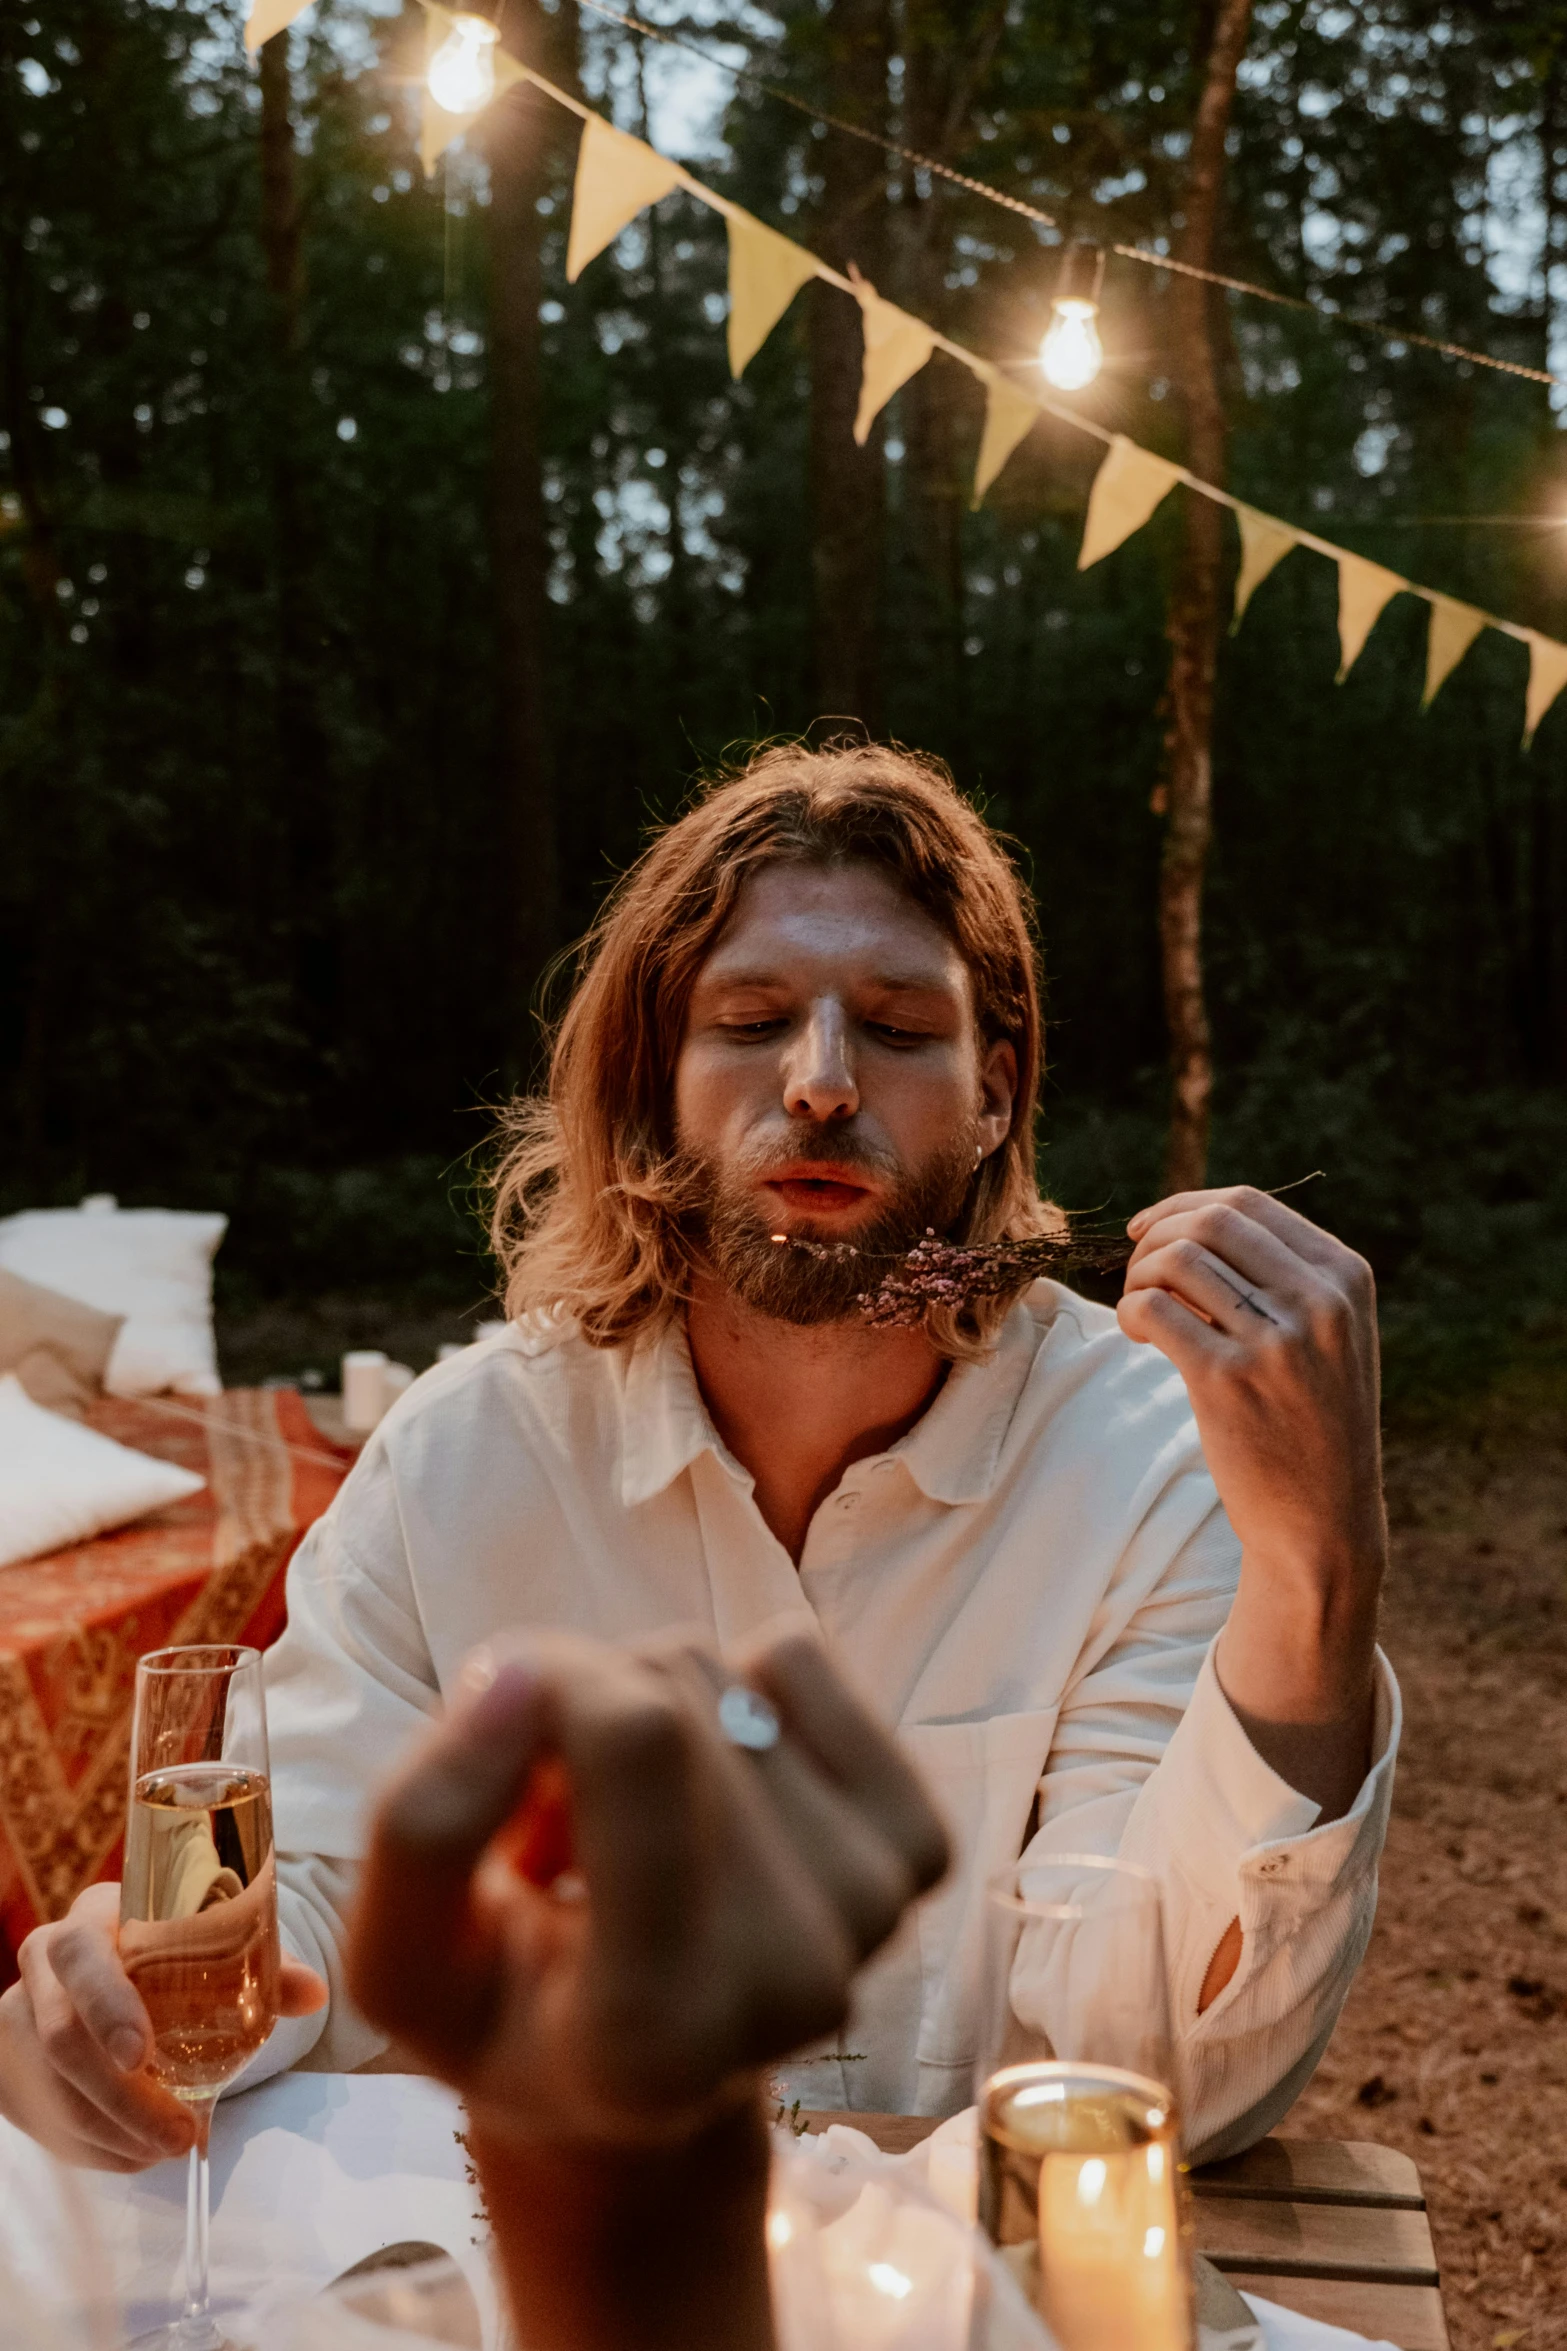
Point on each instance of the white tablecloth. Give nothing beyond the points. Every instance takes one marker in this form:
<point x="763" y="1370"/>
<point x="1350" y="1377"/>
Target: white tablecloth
<point x="311" y="2172"/>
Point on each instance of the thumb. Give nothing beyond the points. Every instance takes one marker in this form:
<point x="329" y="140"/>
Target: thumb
<point x="300" y="1991"/>
<point x="424" y="1959"/>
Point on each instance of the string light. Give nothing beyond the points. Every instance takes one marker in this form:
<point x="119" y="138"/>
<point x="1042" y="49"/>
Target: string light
<point x="1071" y="354"/>
<point x="461" y="74"/>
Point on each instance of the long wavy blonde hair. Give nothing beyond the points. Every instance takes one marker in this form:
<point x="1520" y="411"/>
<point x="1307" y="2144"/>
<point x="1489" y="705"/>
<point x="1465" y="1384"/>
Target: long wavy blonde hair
<point x="592" y="1219"/>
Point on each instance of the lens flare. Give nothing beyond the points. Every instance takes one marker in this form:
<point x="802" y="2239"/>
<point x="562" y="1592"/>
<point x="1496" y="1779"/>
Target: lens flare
<point x="461" y="74"/>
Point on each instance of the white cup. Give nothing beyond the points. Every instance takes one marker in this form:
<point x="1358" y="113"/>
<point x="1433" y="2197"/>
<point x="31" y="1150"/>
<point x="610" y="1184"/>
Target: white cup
<point x="364" y="1398"/>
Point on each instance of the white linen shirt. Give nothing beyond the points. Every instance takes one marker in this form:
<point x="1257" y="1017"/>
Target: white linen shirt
<point x="1027" y="1585"/>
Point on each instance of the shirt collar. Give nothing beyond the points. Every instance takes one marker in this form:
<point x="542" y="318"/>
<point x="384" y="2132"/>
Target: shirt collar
<point x="951" y="1452"/>
<point x="666" y="1422"/>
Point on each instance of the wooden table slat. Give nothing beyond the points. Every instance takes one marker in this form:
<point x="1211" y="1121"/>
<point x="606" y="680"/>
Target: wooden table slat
<point x="1410" y="2316"/>
<point x="1317" y="2240"/>
<point x="1311" y="2170"/>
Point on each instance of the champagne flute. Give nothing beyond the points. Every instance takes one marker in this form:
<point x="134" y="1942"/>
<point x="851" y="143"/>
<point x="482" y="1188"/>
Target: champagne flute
<point x="1080" y="2182"/>
<point x="198" y="1904"/>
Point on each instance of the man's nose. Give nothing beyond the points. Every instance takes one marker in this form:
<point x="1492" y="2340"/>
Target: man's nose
<point x="819" y="1079"/>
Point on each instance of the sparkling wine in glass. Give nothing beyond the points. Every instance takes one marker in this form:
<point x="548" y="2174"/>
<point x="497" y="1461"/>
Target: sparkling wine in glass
<point x="198" y="1903"/>
<point x="1080" y="2180"/>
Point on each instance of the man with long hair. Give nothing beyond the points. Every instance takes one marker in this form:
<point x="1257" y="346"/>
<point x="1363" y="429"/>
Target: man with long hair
<point x="1112" y="1576"/>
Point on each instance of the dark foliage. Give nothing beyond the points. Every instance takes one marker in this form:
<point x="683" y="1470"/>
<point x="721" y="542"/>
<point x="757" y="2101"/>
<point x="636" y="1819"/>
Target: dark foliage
<point x="250" y="919"/>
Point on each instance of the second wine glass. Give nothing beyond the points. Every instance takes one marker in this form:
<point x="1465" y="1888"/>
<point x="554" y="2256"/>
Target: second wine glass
<point x="1080" y="2181"/>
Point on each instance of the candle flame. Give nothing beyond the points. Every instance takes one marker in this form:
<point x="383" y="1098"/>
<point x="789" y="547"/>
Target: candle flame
<point x="1091" y="2180"/>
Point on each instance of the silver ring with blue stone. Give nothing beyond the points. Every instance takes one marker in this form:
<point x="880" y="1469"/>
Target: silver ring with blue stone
<point x="746" y="1719"/>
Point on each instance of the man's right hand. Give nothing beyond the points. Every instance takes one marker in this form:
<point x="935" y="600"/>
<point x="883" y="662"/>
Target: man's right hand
<point x="75" y="2038"/>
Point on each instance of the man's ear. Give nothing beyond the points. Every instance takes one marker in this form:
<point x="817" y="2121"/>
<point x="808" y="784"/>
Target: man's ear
<point x="997" y="1094"/>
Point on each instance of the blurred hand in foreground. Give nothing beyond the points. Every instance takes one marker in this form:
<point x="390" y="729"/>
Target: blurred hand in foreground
<point x="598" y="1918"/>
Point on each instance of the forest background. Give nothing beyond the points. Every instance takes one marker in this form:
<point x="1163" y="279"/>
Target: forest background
<point x="273" y="903"/>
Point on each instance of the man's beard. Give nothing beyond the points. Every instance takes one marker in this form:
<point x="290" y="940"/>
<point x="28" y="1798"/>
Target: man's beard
<point x="795" y="1285"/>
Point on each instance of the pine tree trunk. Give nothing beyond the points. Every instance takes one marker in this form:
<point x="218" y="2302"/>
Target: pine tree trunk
<point x="1195" y="621"/>
<point x="847" y="484"/>
<point x="521" y="158"/>
<point x="302" y="749"/>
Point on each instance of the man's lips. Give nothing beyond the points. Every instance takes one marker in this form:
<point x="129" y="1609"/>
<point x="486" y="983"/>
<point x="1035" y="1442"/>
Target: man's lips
<point x="815" y="1192"/>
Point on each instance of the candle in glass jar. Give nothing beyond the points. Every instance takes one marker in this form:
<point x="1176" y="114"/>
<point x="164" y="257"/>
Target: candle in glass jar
<point x="1112" y="2266"/>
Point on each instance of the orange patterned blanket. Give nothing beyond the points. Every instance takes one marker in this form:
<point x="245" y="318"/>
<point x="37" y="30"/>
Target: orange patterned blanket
<point x="73" y="1624"/>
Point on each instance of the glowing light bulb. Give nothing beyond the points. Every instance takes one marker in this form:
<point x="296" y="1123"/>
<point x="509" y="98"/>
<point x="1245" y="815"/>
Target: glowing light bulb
<point x="1071" y="353"/>
<point x="461" y="74"/>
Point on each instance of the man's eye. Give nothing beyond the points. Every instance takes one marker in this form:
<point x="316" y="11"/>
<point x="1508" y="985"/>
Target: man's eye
<point x="894" y="1035"/>
<point x="752" y="1028"/>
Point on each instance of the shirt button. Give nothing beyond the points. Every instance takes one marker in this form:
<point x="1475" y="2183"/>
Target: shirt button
<point x="848" y="1501"/>
<point x="1275" y="1863"/>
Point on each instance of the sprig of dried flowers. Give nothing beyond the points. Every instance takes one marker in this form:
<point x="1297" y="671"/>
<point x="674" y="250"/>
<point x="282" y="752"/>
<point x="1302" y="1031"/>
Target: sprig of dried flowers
<point x="956" y="1273"/>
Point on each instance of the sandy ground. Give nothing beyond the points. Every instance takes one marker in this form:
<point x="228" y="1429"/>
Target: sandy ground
<point x="1453" y="2045"/>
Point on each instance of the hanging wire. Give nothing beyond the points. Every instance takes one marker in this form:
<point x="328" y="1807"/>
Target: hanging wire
<point x="1047" y="220"/>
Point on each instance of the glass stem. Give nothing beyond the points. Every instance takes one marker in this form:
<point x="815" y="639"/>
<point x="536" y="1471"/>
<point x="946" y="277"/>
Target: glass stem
<point x="198" y="2198"/>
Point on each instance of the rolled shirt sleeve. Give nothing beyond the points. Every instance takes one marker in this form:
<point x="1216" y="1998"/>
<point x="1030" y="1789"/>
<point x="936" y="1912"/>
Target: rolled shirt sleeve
<point x="1171" y="1782"/>
<point x="1229" y="1839"/>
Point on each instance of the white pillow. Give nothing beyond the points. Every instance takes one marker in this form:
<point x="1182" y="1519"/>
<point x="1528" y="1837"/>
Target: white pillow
<point x="153" y="1265"/>
<point x="61" y="1483"/>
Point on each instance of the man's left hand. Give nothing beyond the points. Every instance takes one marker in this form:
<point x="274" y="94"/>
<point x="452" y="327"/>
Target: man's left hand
<point x="1271" y="1323"/>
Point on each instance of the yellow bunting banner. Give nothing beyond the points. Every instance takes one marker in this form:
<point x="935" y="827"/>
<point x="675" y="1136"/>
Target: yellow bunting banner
<point x="1010" y="414"/>
<point x="1264" y="544"/>
<point x="1363" y="590"/>
<point x="896" y="347"/>
<point x="1454" y="628"/>
<point x="1128" y="486"/>
<point x="617" y="177"/>
<point x="268" y="17"/>
<point x="766" y="271"/>
<point x="1547" y="676"/>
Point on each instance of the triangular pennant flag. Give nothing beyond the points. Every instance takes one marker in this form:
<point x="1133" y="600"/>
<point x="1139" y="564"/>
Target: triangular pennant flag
<point x="1363" y="589"/>
<point x="268" y="17"/>
<point x="438" y="127"/>
<point x="1547" y="676"/>
<point x="617" y="177"/>
<point x="1128" y="486"/>
<point x="896" y="347"/>
<point x="766" y="271"/>
<point x="1454" y="628"/>
<point x="1010" y="413"/>
<point x="1264" y="543"/>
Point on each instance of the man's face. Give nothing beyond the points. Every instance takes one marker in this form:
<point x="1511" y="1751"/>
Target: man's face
<point x="832" y="1085"/>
